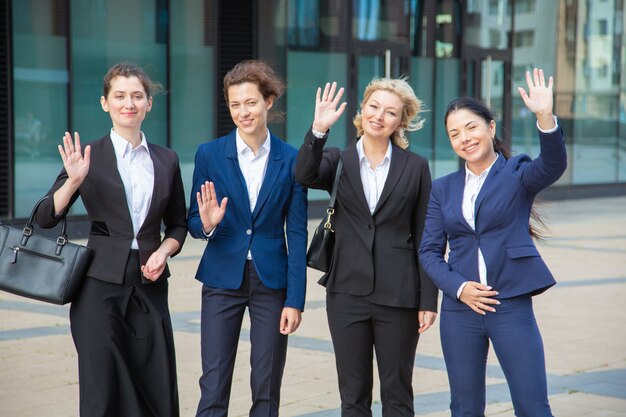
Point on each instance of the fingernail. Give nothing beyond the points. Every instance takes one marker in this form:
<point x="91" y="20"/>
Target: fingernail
<point x="488" y="287"/>
<point x="498" y="303"/>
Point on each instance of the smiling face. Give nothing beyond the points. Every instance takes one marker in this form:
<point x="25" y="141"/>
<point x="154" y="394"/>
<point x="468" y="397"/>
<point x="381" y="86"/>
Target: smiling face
<point x="127" y="103"/>
<point x="381" y="114"/>
<point x="248" y="110"/>
<point x="472" y="138"/>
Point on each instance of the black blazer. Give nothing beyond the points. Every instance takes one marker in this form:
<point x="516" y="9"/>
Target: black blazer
<point x="375" y="255"/>
<point x="103" y="195"/>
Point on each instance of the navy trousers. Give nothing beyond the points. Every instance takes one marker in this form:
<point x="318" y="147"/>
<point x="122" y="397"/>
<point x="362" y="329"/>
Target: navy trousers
<point x="465" y="337"/>
<point x="222" y="315"/>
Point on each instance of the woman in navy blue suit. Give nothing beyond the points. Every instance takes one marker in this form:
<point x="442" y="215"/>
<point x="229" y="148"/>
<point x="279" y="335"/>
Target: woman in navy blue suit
<point x="493" y="269"/>
<point x="246" y="203"/>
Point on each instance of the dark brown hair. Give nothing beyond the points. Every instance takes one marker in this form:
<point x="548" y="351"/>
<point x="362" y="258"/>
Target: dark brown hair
<point x="127" y="69"/>
<point x="257" y="72"/>
<point x="536" y="230"/>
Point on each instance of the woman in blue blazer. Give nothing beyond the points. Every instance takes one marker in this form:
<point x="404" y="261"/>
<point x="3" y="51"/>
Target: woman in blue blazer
<point x="246" y="203"/>
<point x="482" y="213"/>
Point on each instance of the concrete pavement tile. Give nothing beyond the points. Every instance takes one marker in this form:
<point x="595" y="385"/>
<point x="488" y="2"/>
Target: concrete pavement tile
<point x="12" y="320"/>
<point x="577" y="404"/>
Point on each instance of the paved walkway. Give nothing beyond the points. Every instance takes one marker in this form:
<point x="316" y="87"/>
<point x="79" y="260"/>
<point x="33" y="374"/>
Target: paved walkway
<point x="583" y="321"/>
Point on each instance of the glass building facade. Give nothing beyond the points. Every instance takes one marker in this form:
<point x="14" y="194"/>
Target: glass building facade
<point x="55" y="53"/>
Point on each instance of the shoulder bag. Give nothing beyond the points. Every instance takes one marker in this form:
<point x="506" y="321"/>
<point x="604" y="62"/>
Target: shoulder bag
<point x="320" y="251"/>
<point x="38" y="267"/>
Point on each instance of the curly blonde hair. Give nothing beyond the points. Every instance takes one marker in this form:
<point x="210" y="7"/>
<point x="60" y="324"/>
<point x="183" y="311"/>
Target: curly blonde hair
<point x="412" y="106"/>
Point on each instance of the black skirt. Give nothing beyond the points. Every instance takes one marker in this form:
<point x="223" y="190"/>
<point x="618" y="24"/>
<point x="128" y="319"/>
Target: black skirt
<point x="125" y="343"/>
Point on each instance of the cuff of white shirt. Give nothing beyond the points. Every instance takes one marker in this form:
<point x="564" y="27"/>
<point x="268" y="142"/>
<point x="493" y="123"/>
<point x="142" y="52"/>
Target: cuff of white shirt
<point x="208" y="235"/>
<point x="460" y="290"/>
<point x="556" y="126"/>
<point x="318" y="134"/>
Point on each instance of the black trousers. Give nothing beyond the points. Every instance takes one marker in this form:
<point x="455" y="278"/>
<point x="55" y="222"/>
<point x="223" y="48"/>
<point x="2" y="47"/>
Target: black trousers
<point x="222" y="315"/>
<point x="358" y="327"/>
<point x="125" y="344"/>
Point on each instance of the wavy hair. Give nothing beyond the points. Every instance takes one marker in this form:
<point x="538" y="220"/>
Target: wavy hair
<point x="411" y="107"/>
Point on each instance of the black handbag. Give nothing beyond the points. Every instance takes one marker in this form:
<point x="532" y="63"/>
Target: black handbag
<point x="320" y="251"/>
<point x="38" y="267"/>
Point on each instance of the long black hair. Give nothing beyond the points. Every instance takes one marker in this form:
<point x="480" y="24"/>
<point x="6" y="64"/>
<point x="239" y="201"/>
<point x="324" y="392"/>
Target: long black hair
<point x="481" y="110"/>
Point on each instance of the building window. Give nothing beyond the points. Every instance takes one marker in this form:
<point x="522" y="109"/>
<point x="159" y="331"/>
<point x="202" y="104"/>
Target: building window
<point x="40" y="107"/>
<point x="602" y="27"/>
<point x="524" y="6"/>
<point x="524" y="39"/>
<point x="494" y="38"/>
<point x="303" y="24"/>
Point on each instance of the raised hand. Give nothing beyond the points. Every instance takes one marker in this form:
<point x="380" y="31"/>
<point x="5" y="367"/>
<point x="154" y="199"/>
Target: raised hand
<point x="327" y="107"/>
<point x="75" y="163"/>
<point x="211" y="213"/>
<point x="539" y="98"/>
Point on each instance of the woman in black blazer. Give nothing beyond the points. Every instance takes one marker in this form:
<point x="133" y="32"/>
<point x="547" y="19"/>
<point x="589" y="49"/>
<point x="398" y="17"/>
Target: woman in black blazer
<point x="378" y="297"/>
<point x="120" y="320"/>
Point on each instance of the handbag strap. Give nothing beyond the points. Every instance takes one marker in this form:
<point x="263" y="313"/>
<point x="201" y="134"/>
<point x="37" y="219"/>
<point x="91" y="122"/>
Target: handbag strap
<point x="29" y="228"/>
<point x="333" y="193"/>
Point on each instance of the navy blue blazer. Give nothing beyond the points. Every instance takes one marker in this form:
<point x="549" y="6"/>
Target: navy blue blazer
<point x="276" y="232"/>
<point x="502" y="212"/>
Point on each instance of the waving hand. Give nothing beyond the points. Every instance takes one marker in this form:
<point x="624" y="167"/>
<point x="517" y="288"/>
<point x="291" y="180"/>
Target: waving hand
<point x="539" y="97"/>
<point x="327" y="107"/>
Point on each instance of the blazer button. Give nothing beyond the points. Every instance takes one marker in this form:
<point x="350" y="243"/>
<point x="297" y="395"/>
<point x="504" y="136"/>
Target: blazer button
<point x="369" y="226"/>
<point x="248" y="232"/>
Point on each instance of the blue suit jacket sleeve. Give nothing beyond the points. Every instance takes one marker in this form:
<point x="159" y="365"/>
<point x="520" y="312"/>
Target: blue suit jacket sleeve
<point x="296" y="230"/>
<point x="432" y="248"/>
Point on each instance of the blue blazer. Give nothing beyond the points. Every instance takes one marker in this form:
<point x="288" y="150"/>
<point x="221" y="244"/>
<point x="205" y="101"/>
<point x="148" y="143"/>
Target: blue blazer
<point x="502" y="212"/>
<point x="279" y="220"/>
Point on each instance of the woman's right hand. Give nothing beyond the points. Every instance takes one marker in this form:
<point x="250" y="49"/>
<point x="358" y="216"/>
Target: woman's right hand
<point x="75" y="163"/>
<point x="211" y="213"/>
<point x="478" y="297"/>
<point x="327" y="107"/>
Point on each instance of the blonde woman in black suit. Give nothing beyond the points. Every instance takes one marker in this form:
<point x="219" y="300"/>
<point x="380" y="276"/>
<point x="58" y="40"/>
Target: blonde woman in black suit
<point x="378" y="297"/>
<point x="120" y="321"/>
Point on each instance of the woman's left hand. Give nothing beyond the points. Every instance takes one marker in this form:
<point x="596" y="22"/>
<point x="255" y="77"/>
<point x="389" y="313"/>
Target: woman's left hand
<point x="153" y="269"/>
<point x="426" y="320"/>
<point x="539" y="98"/>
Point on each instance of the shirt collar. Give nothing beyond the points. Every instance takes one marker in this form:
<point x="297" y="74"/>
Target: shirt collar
<point x="243" y="147"/>
<point x="469" y="174"/>
<point x="361" y="151"/>
<point x="123" y="147"/>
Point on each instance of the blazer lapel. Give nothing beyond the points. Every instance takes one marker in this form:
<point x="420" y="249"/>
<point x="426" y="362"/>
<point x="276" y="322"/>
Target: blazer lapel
<point x="238" y="191"/>
<point x="456" y="194"/>
<point x="274" y="165"/>
<point x="350" y="157"/>
<point x="159" y="180"/>
<point x="108" y="161"/>
<point x="398" y="162"/>
<point x="489" y="181"/>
